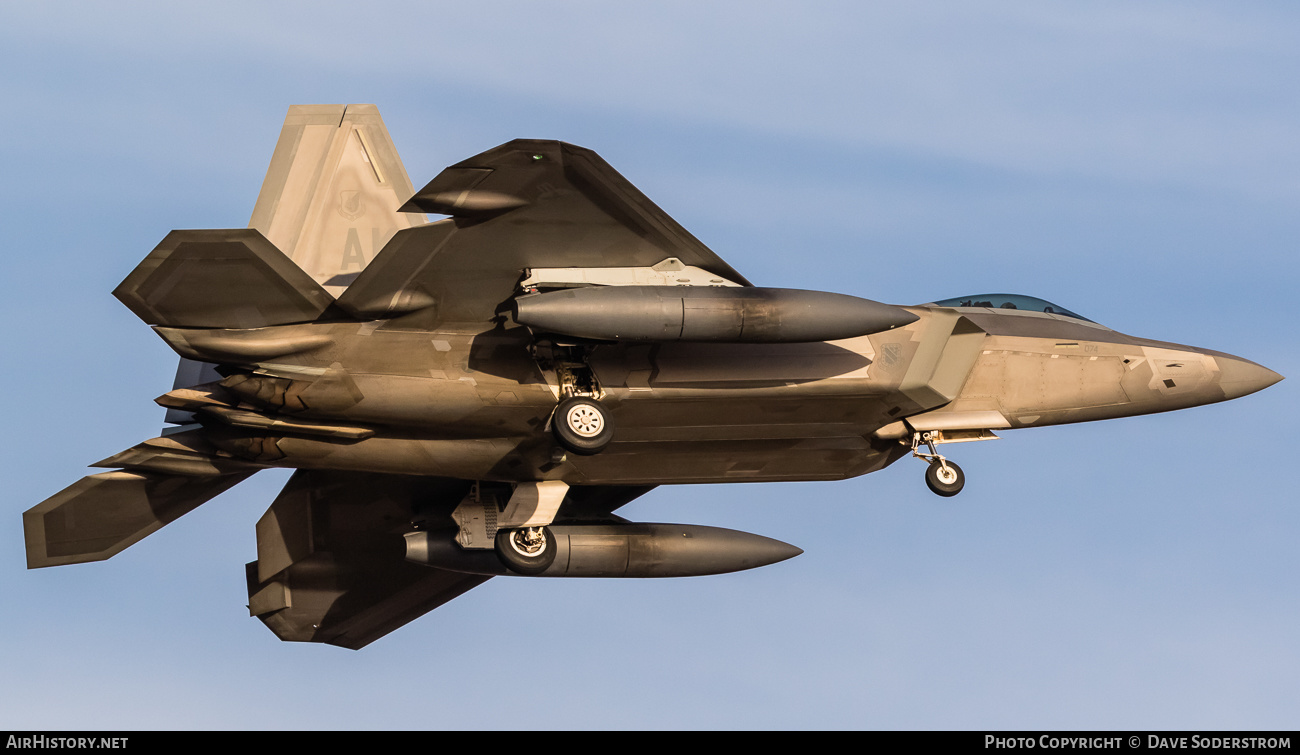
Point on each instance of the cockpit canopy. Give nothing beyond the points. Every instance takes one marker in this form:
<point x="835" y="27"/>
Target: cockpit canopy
<point x="1009" y="301"/>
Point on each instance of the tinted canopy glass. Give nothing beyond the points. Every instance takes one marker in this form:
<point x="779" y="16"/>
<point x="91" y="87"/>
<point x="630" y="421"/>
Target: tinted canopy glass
<point x="1010" y="301"/>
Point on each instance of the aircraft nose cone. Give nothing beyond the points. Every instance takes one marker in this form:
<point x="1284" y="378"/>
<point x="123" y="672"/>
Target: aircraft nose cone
<point x="1239" y="377"/>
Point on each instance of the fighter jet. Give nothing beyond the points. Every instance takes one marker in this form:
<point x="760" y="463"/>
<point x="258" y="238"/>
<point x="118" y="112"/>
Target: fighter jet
<point x="476" y="396"/>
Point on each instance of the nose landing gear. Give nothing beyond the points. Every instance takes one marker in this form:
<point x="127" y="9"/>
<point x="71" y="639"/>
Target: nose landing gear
<point x="943" y="477"/>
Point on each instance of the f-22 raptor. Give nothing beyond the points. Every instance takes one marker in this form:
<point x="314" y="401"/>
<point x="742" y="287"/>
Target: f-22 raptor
<point x="476" y="396"/>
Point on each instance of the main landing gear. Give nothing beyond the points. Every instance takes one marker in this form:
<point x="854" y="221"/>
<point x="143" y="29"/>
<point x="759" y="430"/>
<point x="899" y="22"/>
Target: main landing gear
<point x="527" y="550"/>
<point x="582" y="426"/>
<point x="942" y="477"/>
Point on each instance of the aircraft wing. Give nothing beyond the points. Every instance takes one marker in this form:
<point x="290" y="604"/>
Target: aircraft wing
<point x="330" y="561"/>
<point x="525" y="204"/>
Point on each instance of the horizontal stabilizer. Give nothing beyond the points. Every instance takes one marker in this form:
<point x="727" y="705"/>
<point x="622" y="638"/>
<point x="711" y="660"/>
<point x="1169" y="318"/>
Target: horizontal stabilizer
<point x="184" y="453"/>
<point x="329" y="202"/>
<point x="221" y="279"/>
<point x="99" y="516"/>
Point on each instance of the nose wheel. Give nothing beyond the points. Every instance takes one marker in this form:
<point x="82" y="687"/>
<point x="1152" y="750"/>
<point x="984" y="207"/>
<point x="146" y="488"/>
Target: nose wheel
<point x="942" y="477"/>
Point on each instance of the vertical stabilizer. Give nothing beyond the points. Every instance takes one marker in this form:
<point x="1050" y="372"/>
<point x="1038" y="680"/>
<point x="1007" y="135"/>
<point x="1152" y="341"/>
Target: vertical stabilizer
<point x="329" y="202"/>
<point x="330" y="197"/>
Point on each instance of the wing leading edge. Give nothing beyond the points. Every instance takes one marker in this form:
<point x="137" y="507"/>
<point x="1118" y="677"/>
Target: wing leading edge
<point x="526" y="204"/>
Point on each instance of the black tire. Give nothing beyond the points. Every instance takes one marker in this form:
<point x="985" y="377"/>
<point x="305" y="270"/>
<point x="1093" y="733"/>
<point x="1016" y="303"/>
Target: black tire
<point x="522" y="558"/>
<point x="946" y="485"/>
<point x="582" y="426"/>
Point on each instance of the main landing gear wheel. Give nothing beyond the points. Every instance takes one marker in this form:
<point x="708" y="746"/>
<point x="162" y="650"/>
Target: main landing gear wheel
<point x="529" y="551"/>
<point x="944" y="478"/>
<point x="582" y="426"/>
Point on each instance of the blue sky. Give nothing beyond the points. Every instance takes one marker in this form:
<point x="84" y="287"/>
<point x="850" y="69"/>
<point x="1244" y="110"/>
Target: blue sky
<point x="1135" y="163"/>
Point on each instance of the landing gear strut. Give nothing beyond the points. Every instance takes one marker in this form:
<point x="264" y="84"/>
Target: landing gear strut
<point x="581" y="424"/>
<point x="943" y="477"/>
